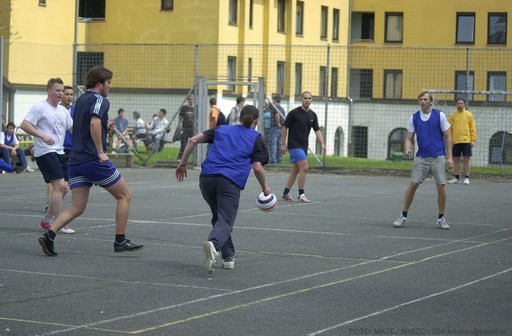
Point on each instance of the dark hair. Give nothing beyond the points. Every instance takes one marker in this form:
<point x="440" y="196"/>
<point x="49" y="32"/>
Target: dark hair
<point x="464" y="100"/>
<point x="97" y="75"/>
<point x="213" y="101"/>
<point x="239" y="99"/>
<point x="248" y="114"/>
<point x="277" y="98"/>
<point x="120" y="110"/>
<point x="164" y="111"/>
<point x="9" y="124"/>
<point x="67" y="87"/>
<point x="53" y="81"/>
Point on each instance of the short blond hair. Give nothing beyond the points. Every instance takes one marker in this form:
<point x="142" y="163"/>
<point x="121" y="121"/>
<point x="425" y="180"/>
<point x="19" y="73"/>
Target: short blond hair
<point x="424" y="92"/>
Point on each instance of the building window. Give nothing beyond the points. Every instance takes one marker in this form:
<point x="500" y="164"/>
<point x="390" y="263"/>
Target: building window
<point x="497" y="28"/>
<point x="281" y="16"/>
<point x="85" y="61"/>
<point x="251" y="13"/>
<point x="362" y="26"/>
<point x="360" y="141"/>
<point x="323" y="82"/>
<point x="42" y="2"/>
<point x="393" y="84"/>
<point x="324" y="22"/>
<point x="280" y="78"/>
<point x="299" y="24"/>
<point x="249" y="69"/>
<point x="231" y="72"/>
<point x="91" y="9"/>
<point x="334" y="82"/>
<point x="465" y="83"/>
<point x="394" y="27"/>
<point x="361" y="83"/>
<point x="339" y="142"/>
<point x="336" y="25"/>
<point x="500" y="148"/>
<point x="396" y="143"/>
<point x="496" y="81"/>
<point x="233" y="12"/>
<point x="298" y="79"/>
<point x="466" y="28"/>
<point x="167" y="5"/>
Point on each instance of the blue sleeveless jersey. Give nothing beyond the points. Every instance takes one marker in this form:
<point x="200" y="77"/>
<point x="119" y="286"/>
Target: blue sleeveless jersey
<point x="230" y="153"/>
<point x="429" y="135"/>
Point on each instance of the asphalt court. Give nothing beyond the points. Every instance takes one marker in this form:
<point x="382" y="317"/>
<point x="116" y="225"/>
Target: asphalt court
<point x="335" y="266"/>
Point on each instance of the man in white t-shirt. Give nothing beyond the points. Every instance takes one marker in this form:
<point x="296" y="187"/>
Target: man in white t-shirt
<point x="48" y="122"/>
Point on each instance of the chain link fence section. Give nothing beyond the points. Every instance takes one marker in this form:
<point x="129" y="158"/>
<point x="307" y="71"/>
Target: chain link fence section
<point x="363" y="95"/>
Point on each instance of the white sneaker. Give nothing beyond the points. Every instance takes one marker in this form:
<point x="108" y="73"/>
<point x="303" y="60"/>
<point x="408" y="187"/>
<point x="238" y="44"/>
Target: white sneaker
<point x="442" y="224"/>
<point x="229" y="263"/>
<point x="400" y="221"/>
<point x="454" y="181"/>
<point x="210" y="256"/>
<point x="67" y="229"/>
<point x="29" y="170"/>
<point x="303" y="198"/>
<point x="466" y="181"/>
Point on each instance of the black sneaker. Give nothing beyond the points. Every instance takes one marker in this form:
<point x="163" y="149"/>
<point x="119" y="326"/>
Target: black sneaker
<point x="20" y="169"/>
<point x="126" y="246"/>
<point x="47" y="245"/>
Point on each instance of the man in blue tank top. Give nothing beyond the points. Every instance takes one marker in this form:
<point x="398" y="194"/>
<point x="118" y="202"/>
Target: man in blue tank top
<point x="234" y="150"/>
<point x="434" y="154"/>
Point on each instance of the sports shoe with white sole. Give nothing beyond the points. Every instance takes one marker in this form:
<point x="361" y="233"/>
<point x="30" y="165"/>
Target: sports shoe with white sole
<point x="466" y="181"/>
<point x="210" y="256"/>
<point x="127" y="246"/>
<point x="229" y="263"/>
<point x="44" y="225"/>
<point x="288" y="197"/>
<point x="400" y="221"/>
<point x="67" y="230"/>
<point x="454" y="181"/>
<point x="303" y="198"/>
<point x="442" y="224"/>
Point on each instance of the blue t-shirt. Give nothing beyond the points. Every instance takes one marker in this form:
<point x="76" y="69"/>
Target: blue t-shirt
<point x="89" y="105"/>
<point x="68" y="139"/>
<point x="121" y="124"/>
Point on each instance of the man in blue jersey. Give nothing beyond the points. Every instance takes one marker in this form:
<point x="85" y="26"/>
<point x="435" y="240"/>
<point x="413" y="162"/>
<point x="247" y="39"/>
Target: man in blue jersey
<point x="434" y="154"/>
<point x="89" y="164"/>
<point x="224" y="173"/>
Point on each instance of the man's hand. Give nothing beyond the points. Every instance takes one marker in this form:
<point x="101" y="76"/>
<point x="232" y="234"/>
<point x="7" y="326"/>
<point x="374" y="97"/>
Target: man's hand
<point x="181" y="172"/>
<point x="48" y="140"/>
<point x="449" y="163"/>
<point x="283" y="149"/>
<point x="103" y="157"/>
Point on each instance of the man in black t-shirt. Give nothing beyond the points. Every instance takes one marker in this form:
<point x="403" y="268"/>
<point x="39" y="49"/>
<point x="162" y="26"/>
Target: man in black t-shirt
<point x="187" y="119"/>
<point x="298" y="124"/>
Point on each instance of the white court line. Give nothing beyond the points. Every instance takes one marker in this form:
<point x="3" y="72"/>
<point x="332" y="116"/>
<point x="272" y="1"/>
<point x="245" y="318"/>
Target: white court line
<point x="272" y="284"/>
<point x="467" y="284"/>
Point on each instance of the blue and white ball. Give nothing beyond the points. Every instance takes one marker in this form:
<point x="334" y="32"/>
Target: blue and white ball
<point x="266" y="203"/>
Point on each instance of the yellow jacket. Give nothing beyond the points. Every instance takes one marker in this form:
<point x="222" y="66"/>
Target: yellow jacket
<point x="463" y="128"/>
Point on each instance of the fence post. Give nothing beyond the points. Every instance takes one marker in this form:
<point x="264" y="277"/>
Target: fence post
<point x="326" y="100"/>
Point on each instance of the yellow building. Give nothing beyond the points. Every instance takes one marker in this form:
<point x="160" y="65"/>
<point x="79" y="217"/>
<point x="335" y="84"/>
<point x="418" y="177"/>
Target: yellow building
<point x="397" y="45"/>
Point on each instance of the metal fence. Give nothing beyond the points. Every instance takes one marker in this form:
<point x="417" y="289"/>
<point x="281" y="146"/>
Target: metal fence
<point x="363" y="95"/>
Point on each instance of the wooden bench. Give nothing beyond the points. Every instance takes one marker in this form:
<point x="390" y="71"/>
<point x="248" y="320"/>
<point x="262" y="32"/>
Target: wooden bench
<point x="121" y="160"/>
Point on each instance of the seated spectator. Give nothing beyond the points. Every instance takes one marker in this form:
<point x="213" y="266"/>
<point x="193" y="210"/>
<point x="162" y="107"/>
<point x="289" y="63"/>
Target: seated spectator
<point x="5" y="167"/>
<point x="10" y="148"/>
<point x="139" y="131"/>
<point x="158" y="127"/>
<point x="121" y="123"/>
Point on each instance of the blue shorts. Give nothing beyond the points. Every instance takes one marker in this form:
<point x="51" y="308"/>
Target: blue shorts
<point x="53" y="166"/>
<point x="93" y="172"/>
<point x="298" y="154"/>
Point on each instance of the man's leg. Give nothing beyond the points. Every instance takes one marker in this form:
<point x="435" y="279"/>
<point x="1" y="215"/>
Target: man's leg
<point x="292" y="176"/>
<point x="6" y="154"/>
<point x="303" y="167"/>
<point x="59" y="188"/>
<point x="456" y="165"/>
<point x="79" y="199"/>
<point x="409" y="196"/>
<point x="122" y="194"/>
<point x="21" y="155"/>
<point x="467" y="165"/>
<point x="441" y="198"/>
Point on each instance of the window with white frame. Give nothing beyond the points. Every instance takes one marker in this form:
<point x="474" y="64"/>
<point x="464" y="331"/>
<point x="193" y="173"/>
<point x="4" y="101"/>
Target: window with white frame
<point x="231" y="72"/>
<point x="361" y="83"/>
<point x="362" y="26"/>
<point x="322" y="82"/>
<point x="280" y="77"/>
<point x="463" y="81"/>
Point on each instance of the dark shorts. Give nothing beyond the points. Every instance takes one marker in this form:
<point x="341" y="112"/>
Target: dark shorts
<point x="53" y="166"/>
<point x="93" y="172"/>
<point x="462" y="149"/>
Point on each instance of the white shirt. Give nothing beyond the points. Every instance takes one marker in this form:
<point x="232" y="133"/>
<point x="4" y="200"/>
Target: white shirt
<point x="3" y="138"/>
<point x="53" y="121"/>
<point x="445" y="125"/>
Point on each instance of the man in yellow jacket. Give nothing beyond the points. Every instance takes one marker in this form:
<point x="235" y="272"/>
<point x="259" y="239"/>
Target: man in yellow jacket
<point x="464" y="137"/>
